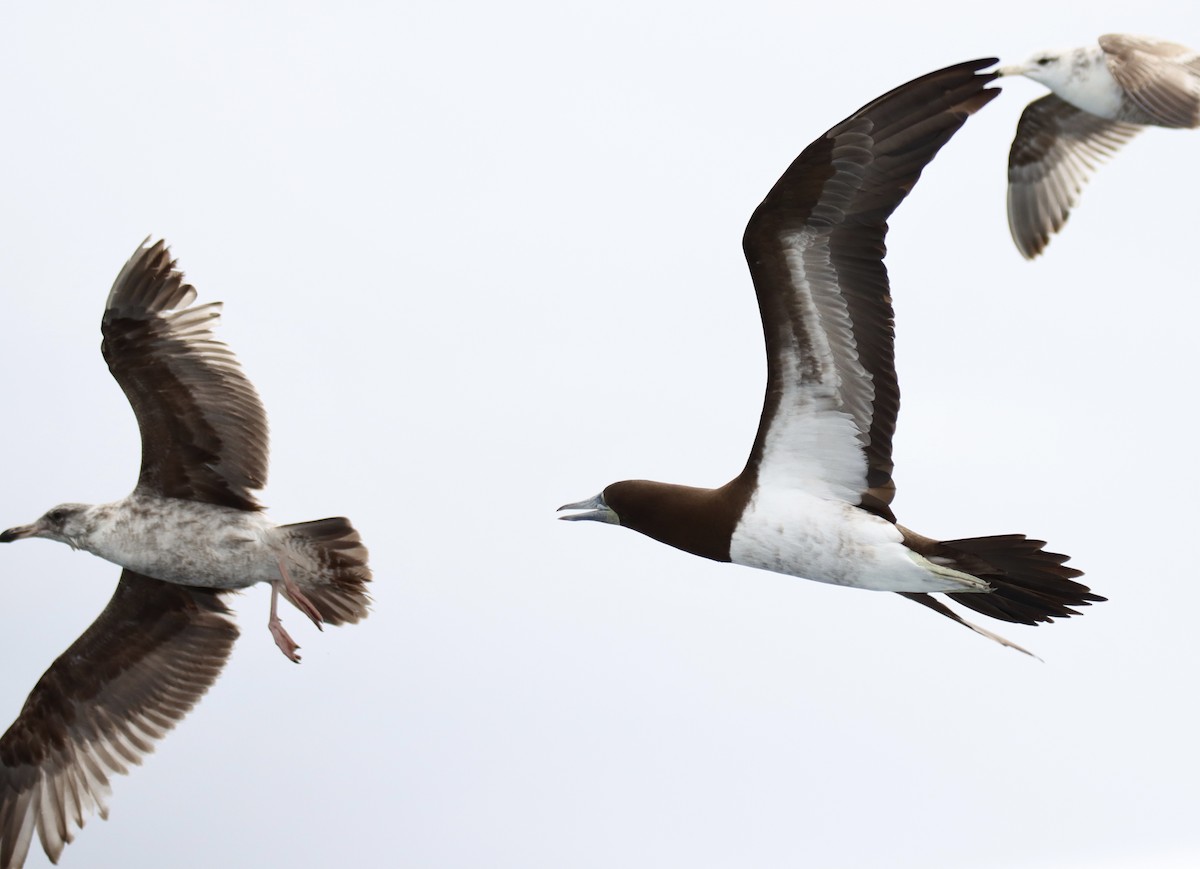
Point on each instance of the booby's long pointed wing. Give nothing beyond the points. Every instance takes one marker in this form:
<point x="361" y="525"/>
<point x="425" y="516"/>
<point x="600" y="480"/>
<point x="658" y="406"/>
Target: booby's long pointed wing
<point x="135" y="672"/>
<point x="1161" y="78"/>
<point x="204" y="430"/>
<point x="815" y="247"/>
<point x="1055" y="150"/>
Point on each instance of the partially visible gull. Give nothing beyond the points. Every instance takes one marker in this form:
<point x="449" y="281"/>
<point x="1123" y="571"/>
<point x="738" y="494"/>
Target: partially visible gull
<point x="1103" y="95"/>
<point x="814" y="499"/>
<point x="190" y="532"/>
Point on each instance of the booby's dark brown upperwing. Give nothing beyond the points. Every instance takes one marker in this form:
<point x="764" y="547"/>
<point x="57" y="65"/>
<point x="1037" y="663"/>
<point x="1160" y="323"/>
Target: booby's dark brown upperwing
<point x="135" y="672"/>
<point x="815" y="248"/>
<point x="204" y="430"/>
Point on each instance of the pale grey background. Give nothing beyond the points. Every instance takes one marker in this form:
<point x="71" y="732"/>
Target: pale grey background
<point x="482" y="259"/>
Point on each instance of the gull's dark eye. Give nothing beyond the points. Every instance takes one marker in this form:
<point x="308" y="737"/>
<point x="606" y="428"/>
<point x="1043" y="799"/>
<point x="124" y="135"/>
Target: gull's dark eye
<point x="57" y="515"/>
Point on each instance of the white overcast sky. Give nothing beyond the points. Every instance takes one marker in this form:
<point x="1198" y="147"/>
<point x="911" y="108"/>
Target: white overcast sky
<point x="482" y="259"/>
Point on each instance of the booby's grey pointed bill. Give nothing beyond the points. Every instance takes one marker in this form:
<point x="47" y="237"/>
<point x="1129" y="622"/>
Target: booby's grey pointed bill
<point x="596" y="510"/>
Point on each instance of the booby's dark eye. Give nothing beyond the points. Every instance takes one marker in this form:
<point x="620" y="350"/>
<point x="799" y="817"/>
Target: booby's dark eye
<point x="1044" y="61"/>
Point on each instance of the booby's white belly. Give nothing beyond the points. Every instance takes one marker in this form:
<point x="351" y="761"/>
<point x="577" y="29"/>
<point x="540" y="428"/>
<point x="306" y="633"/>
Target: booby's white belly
<point x="186" y="542"/>
<point x="792" y="532"/>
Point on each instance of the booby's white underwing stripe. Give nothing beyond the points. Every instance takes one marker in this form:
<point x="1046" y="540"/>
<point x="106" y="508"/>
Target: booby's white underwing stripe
<point x="816" y="437"/>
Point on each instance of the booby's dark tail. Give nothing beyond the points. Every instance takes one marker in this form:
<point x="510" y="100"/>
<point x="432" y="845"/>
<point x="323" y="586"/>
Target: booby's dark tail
<point x="1029" y="584"/>
<point x="339" y="560"/>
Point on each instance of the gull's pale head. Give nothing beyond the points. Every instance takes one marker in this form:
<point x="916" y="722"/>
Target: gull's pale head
<point x="66" y="523"/>
<point x="1057" y="69"/>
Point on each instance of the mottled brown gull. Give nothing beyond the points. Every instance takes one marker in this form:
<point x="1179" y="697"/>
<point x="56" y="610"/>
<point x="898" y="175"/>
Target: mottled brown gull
<point x="1103" y="95"/>
<point x="190" y="532"/>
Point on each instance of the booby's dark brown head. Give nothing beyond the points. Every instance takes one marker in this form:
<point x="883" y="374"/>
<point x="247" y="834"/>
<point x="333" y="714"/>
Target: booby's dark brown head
<point x="699" y="521"/>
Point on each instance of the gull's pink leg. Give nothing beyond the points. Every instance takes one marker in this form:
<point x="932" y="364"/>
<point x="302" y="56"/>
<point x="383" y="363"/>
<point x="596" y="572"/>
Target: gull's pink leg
<point x="282" y="639"/>
<point x="297" y="597"/>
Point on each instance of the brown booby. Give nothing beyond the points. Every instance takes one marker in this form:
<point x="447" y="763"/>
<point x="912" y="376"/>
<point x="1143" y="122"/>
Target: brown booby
<point x="190" y="532"/>
<point x="814" y="499"/>
<point x="1102" y="96"/>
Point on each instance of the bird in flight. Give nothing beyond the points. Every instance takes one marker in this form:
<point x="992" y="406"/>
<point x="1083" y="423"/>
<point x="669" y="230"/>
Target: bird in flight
<point x="1101" y="97"/>
<point x="190" y="533"/>
<point x="814" y="499"/>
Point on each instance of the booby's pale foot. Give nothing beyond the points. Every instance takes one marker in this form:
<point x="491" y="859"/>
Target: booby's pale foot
<point x="296" y="596"/>
<point x="282" y="638"/>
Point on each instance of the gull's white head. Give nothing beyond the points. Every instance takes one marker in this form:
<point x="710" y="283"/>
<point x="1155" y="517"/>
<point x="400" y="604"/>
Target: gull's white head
<point x="66" y="523"/>
<point x="1079" y="76"/>
<point x="1059" y="70"/>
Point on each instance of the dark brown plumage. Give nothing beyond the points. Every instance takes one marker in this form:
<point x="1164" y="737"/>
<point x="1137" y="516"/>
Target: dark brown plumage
<point x="1029" y="584"/>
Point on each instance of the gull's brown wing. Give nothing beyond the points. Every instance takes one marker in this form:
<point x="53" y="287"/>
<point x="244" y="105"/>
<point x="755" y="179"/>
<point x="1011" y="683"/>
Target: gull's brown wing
<point x="204" y="430"/>
<point x="132" y="675"/>
<point x="1160" y="78"/>
<point x="1056" y="149"/>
